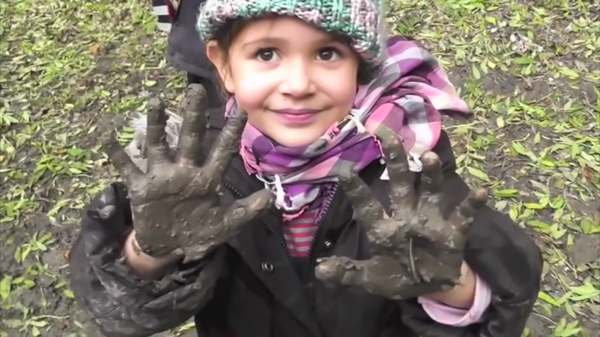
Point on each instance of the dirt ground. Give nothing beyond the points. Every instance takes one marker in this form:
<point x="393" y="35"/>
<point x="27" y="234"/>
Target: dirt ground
<point x="529" y="69"/>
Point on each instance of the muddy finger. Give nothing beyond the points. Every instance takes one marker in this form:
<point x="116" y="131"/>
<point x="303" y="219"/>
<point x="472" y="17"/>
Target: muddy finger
<point x="432" y="179"/>
<point x="240" y="213"/>
<point x="381" y="275"/>
<point x="339" y="270"/>
<point x="119" y="158"/>
<point x="463" y="216"/>
<point x="226" y="144"/>
<point x="156" y="138"/>
<point x="366" y="208"/>
<point x="401" y="178"/>
<point x="194" y="126"/>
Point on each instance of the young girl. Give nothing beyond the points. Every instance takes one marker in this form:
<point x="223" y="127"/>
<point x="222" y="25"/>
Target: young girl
<point x="309" y="219"/>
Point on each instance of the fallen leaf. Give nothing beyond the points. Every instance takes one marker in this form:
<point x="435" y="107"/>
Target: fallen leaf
<point x="94" y="48"/>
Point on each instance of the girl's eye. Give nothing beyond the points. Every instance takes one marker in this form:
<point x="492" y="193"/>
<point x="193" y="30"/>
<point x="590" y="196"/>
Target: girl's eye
<point x="328" y="54"/>
<point x="266" y="55"/>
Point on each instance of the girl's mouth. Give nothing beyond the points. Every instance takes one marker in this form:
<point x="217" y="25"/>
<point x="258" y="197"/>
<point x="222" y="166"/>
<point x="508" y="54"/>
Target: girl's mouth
<point x="296" y="117"/>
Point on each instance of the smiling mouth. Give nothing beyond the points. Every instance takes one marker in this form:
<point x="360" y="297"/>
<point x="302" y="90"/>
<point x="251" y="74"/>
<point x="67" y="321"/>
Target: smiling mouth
<point x="296" y="117"/>
<point x="297" y="111"/>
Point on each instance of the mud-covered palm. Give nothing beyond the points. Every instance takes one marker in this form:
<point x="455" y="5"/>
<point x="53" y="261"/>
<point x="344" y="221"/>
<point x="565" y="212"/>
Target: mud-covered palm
<point x="415" y="249"/>
<point x="175" y="204"/>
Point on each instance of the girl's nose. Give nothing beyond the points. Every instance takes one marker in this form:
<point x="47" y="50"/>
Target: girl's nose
<point x="297" y="79"/>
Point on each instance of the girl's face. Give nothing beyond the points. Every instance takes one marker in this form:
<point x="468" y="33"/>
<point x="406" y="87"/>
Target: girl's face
<point x="293" y="80"/>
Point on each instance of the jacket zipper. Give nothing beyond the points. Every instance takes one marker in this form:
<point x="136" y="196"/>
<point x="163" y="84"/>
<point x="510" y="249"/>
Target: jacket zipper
<point x="318" y="220"/>
<point x="271" y="229"/>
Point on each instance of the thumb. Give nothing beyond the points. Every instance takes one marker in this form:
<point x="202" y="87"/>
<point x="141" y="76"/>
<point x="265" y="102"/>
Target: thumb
<point x="246" y="209"/>
<point x="340" y="270"/>
<point x="380" y="275"/>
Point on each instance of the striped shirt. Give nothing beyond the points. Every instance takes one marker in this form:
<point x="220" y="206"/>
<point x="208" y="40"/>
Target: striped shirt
<point x="299" y="233"/>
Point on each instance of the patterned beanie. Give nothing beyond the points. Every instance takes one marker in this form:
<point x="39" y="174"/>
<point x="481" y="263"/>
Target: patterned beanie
<point x="360" y="20"/>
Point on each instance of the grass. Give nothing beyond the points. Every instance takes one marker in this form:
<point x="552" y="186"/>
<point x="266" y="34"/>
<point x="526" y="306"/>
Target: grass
<point x="530" y="70"/>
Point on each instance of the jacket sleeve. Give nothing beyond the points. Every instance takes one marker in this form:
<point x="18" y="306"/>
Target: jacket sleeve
<point x="113" y="296"/>
<point x="500" y="253"/>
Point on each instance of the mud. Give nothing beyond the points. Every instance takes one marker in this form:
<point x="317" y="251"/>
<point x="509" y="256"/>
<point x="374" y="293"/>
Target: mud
<point x="586" y="249"/>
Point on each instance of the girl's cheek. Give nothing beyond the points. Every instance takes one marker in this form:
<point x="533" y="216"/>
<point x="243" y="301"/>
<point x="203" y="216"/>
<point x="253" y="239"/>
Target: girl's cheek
<point x="253" y="88"/>
<point x="249" y="94"/>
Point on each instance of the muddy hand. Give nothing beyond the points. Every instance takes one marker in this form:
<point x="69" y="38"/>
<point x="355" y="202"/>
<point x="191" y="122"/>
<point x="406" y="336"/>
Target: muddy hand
<point x="416" y="250"/>
<point x="175" y="204"/>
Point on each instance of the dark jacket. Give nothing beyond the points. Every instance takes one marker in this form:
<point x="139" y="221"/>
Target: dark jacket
<point x="251" y="287"/>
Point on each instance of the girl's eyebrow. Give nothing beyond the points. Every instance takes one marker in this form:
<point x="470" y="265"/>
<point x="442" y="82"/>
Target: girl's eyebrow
<point x="283" y="41"/>
<point x="265" y="40"/>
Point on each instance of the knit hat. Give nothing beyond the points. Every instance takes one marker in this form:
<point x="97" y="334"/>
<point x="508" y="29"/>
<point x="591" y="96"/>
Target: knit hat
<point x="360" y="20"/>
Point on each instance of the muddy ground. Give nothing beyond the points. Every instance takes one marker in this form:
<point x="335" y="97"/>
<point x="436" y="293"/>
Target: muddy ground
<point x="530" y="70"/>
